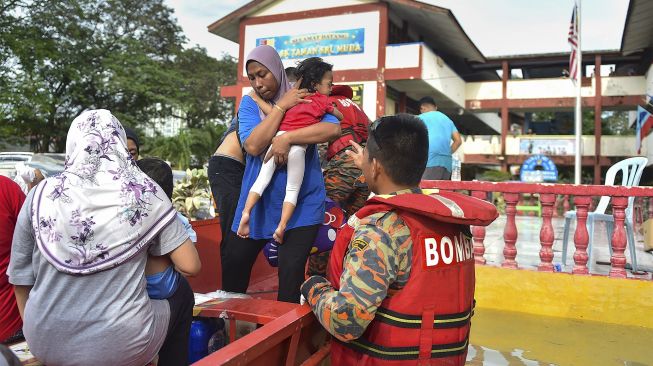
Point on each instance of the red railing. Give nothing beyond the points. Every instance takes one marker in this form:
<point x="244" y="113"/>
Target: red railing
<point x="288" y="334"/>
<point x="548" y="193"/>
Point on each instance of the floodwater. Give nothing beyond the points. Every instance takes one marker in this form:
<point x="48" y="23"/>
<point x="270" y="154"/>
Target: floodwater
<point x="502" y="338"/>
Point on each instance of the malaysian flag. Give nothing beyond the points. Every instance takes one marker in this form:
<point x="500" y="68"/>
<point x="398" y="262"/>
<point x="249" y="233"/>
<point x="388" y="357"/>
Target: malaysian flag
<point x="573" y="42"/>
<point x="643" y="127"/>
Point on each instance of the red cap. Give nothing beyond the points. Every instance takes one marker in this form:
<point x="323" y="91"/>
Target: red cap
<point x="342" y="90"/>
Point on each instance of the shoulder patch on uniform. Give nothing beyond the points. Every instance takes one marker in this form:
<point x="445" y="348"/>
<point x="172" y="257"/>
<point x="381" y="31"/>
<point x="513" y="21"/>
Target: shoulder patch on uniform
<point x="353" y="221"/>
<point x="359" y="244"/>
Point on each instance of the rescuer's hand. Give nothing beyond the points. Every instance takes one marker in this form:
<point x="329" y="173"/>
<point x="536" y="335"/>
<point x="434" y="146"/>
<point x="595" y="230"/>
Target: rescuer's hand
<point x="356" y="154"/>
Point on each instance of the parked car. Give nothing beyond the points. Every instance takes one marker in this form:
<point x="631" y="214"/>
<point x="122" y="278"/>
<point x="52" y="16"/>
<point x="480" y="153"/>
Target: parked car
<point x="15" y="156"/>
<point x="178" y="175"/>
<point x="48" y="164"/>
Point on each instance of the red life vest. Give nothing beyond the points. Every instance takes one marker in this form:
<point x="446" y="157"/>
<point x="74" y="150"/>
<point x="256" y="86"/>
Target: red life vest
<point x="353" y="125"/>
<point x="428" y="321"/>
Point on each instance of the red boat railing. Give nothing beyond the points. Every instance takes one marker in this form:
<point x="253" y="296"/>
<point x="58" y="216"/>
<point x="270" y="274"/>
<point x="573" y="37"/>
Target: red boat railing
<point x="289" y="335"/>
<point x="582" y="199"/>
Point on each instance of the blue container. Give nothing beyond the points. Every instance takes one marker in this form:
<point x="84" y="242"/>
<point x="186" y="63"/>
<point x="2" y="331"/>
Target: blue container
<point x="201" y="330"/>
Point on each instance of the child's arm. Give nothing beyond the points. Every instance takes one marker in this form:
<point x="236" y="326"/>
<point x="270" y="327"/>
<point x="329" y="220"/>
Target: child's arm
<point x="22" y="293"/>
<point x="332" y="108"/>
<point x="156" y="264"/>
<point x="265" y="106"/>
<point x="186" y="260"/>
<point x="337" y="113"/>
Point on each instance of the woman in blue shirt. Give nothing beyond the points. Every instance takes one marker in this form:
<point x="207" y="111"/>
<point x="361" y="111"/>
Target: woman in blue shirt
<point x="256" y="132"/>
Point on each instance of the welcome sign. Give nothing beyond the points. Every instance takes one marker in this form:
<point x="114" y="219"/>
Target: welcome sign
<point x="335" y="43"/>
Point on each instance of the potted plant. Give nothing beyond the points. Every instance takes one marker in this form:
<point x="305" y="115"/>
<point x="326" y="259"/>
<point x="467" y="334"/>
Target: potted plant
<point x="191" y="197"/>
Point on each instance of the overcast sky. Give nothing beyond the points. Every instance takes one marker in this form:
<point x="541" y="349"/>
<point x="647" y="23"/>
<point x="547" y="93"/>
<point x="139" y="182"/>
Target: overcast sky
<point x="497" y="27"/>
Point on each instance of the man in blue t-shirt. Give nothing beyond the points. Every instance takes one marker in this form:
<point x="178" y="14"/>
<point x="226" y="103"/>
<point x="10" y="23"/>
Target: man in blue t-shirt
<point x="441" y="132"/>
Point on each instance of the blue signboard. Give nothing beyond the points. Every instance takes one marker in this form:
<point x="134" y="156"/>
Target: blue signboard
<point x="538" y="168"/>
<point x="336" y="43"/>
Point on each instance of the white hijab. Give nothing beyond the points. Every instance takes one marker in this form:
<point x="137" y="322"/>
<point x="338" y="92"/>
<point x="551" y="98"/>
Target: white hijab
<point x="101" y="210"/>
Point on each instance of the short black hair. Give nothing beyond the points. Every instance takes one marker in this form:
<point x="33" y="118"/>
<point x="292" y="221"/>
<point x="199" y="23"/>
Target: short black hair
<point x="401" y="145"/>
<point x="291" y="74"/>
<point x="427" y="100"/>
<point x="132" y="135"/>
<point x="311" y="71"/>
<point x="159" y="171"/>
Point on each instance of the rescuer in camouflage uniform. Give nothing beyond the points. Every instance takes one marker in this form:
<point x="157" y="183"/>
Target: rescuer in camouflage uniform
<point x="404" y="264"/>
<point x="381" y="248"/>
<point x="343" y="180"/>
<point x="335" y="310"/>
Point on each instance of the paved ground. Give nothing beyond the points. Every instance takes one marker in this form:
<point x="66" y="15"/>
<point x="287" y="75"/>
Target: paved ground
<point x="528" y="246"/>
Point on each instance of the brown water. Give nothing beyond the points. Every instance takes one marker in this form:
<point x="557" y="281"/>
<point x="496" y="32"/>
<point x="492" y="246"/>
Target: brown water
<point x="503" y="338"/>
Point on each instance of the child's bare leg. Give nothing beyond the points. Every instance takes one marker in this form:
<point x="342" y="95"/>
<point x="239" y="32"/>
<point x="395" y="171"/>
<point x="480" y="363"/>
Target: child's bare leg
<point x="286" y="213"/>
<point x="243" y="226"/>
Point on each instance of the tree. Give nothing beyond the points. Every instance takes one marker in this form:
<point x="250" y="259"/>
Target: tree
<point x="79" y="54"/>
<point x="616" y="122"/>
<point x="175" y="150"/>
<point x="201" y="78"/>
<point x="191" y="148"/>
<point x="59" y="58"/>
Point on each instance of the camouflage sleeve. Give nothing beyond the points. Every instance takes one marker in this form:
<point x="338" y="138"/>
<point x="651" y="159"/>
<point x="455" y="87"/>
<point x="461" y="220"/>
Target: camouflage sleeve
<point x="371" y="266"/>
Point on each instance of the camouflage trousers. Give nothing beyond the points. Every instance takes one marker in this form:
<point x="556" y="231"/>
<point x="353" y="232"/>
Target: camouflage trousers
<point x="344" y="184"/>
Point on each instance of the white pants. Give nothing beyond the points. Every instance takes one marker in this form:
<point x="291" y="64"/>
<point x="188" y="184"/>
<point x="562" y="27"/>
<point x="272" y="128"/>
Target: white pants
<point x="296" y="167"/>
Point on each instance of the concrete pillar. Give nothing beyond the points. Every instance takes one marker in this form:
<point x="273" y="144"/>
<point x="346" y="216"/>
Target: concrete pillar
<point x="504" y="112"/>
<point x="598" y="108"/>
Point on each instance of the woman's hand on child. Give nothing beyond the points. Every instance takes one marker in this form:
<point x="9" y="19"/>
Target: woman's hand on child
<point x="279" y="149"/>
<point x="294" y="96"/>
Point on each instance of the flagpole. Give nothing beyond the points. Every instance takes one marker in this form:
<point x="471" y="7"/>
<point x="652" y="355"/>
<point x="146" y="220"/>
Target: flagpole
<point x="579" y="114"/>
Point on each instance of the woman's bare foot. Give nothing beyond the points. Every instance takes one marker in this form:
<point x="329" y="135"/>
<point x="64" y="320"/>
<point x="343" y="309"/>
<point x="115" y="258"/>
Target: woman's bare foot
<point x="243" y="227"/>
<point x="278" y="234"/>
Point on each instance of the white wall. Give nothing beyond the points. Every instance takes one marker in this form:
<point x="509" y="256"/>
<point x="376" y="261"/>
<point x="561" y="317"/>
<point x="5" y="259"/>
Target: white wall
<point x="441" y="77"/>
<point x="558" y="88"/>
<point x="545" y="88"/>
<point x="292" y="6"/>
<point x="623" y="85"/>
<point x="480" y="144"/>
<point x="369" y="21"/>
<point x="483" y="90"/>
<point x="402" y="56"/>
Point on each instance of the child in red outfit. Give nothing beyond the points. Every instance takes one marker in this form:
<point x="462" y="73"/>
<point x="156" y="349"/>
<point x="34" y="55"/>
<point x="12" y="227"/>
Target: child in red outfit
<point x="315" y="75"/>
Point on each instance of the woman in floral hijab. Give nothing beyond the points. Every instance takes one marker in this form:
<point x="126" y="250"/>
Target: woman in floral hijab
<point x="79" y="253"/>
